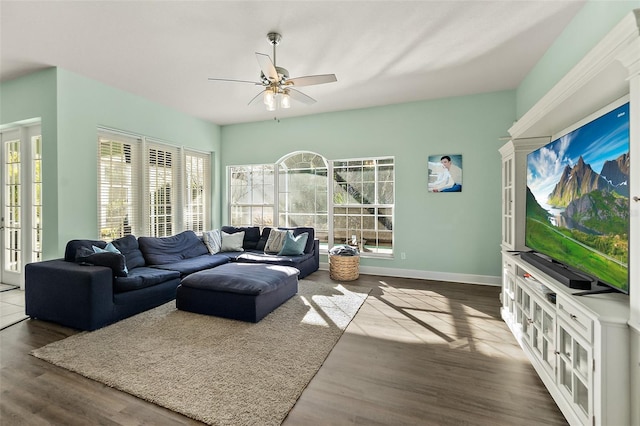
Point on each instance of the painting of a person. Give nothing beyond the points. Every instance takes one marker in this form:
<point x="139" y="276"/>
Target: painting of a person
<point x="445" y="175"/>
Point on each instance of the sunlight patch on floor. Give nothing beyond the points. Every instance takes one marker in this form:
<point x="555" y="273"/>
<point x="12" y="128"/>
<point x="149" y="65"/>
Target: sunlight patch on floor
<point x="333" y="310"/>
<point x="426" y="317"/>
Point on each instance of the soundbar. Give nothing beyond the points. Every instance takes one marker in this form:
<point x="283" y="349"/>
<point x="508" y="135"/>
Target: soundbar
<point x="557" y="271"/>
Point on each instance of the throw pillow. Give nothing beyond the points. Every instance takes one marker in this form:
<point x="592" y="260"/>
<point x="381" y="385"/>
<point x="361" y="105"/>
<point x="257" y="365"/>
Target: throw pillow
<point x="294" y="246"/>
<point x="251" y="235"/>
<point x="232" y="242"/>
<point x="108" y="248"/>
<point x="262" y="242"/>
<point x="128" y="246"/>
<point x="275" y="241"/>
<point x="112" y="260"/>
<point x="213" y="240"/>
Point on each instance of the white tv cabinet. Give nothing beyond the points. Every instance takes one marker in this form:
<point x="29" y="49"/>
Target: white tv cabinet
<point x="577" y="345"/>
<point x="586" y="349"/>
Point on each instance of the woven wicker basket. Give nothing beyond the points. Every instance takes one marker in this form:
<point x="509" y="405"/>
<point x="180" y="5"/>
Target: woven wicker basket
<point x="344" y="268"/>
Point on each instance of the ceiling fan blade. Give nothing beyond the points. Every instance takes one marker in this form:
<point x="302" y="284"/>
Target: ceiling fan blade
<point x="310" y="80"/>
<point x="267" y="67"/>
<point x="256" y="97"/>
<point x="236" y="81"/>
<point x="301" y="97"/>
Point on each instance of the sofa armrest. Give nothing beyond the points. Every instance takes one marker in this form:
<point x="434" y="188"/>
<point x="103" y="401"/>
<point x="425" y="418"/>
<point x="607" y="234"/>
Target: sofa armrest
<point x="68" y="293"/>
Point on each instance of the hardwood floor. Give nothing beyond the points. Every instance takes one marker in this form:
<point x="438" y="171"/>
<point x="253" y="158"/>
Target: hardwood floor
<point x="417" y="353"/>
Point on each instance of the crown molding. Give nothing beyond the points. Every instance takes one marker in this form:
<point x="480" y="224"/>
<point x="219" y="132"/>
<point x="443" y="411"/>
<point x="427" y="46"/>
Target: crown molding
<point x="589" y="85"/>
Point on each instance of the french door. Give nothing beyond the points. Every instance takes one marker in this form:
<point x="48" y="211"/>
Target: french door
<point x="21" y="201"/>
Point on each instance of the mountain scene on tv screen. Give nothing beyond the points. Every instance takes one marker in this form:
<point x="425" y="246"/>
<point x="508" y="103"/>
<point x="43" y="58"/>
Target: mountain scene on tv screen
<point x="578" y="198"/>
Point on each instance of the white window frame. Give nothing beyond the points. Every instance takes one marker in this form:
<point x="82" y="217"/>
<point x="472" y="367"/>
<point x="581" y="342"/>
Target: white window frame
<point x="288" y="215"/>
<point x="381" y="208"/>
<point x="147" y="175"/>
<point x="196" y="190"/>
<point x="356" y="215"/>
<point x="163" y="176"/>
<point x="22" y="237"/>
<point x="248" y="205"/>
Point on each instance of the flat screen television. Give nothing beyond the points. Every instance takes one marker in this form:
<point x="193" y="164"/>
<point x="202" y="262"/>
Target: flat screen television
<point x="577" y="201"/>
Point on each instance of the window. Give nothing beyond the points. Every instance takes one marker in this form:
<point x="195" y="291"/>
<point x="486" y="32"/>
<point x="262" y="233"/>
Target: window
<point x="175" y="183"/>
<point x="363" y="201"/>
<point x="251" y="195"/>
<point x="196" y="190"/>
<point x="358" y="201"/>
<point x="162" y="171"/>
<point x="13" y="205"/>
<point x="36" y="201"/>
<point x="21" y="198"/>
<point x="118" y="184"/>
<point x="302" y="192"/>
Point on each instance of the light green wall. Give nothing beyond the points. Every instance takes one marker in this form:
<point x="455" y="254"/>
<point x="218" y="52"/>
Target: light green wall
<point x="455" y="233"/>
<point x="77" y="106"/>
<point x="450" y="233"/>
<point x="34" y="97"/>
<point x="587" y="28"/>
<point x="85" y="104"/>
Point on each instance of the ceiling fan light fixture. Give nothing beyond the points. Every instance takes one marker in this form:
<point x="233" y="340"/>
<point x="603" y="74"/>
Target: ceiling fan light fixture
<point x="271" y="106"/>
<point x="269" y="98"/>
<point x="277" y="88"/>
<point x="285" y="100"/>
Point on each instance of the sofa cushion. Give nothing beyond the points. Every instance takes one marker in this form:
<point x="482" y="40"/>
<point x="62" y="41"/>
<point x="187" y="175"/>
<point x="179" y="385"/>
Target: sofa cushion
<point x="312" y="235"/>
<point x="142" y="277"/>
<point x="232" y="242"/>
<point x="251" y="235"/>
<point x="241" y="279"/>
<point x="195" y="264"/>
<point x="115" y="261"/>
<point x="262" y="242"/>
<point x="213" y="240"/>
<point x="72" y="247"/>
<point x="272" y="259"/>
<point x="162" y="250"/>
<point x="128" y="246"/>
<point x="294" y="246"/>
<point x="275" y="241"/>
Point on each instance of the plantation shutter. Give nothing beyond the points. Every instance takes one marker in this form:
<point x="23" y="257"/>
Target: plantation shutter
<point x="118" y="185"/>
<point x="196" y="190"/>
<point x="162" y="171"/>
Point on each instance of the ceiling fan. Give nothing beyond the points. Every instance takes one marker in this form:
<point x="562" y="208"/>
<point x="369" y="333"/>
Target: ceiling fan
<point x="279" y="89"/>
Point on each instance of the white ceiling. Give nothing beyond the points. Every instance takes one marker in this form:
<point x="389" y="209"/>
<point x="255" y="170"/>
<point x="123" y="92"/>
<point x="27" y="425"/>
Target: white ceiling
<point x="382" y="52"/>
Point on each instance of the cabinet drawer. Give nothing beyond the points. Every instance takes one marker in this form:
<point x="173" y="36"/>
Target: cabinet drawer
<point x="576" y="317"/>
<point x="508" y="265"/>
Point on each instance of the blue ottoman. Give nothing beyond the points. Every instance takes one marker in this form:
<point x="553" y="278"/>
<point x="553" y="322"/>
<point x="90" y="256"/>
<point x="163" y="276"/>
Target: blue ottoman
<point x="241" y="291"/>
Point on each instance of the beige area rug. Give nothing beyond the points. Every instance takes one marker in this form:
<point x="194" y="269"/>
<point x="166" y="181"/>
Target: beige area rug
<point x="216" y="370"/>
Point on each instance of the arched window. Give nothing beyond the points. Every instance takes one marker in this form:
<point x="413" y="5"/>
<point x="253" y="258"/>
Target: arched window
<point x="302" y="192"/>
<point x="346" y="201"/>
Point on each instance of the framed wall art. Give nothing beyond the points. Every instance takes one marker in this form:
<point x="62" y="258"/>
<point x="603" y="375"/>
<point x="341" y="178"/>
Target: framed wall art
<point x="445" y="173"/>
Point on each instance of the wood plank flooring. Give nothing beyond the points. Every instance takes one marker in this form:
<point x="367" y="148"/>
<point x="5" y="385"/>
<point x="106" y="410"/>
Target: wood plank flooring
<point x="417" y="353"/>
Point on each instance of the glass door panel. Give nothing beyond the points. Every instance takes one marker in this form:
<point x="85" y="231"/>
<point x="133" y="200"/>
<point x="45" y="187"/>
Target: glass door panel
<point x="21" y="201"/>
<point x="574" y="372"/>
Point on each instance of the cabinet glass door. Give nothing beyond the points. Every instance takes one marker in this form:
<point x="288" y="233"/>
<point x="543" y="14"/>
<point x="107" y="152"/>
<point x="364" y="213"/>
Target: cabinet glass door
<point x="574" y="372"/>
<point x="508" y="291"/>
<point x="543" y="335"/>
<point x="507" y="201"/>
<point x="523" y="311"/>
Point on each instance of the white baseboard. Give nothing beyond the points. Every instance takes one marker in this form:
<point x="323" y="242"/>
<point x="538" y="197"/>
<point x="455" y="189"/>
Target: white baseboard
<point x="426" y="275"/>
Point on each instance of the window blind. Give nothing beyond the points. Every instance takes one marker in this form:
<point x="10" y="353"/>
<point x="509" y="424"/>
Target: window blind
<point x="197" y="190"/>
<point x="162" y="170"/>
<point x="118" y="185"/>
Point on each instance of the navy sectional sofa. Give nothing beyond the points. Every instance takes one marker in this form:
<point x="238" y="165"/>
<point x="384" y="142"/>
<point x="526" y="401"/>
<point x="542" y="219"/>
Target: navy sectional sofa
<point x="85" y="292"/>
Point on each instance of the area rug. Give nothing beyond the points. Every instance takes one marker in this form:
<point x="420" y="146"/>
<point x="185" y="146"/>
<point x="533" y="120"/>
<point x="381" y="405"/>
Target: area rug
<point x="216" y="370"/>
